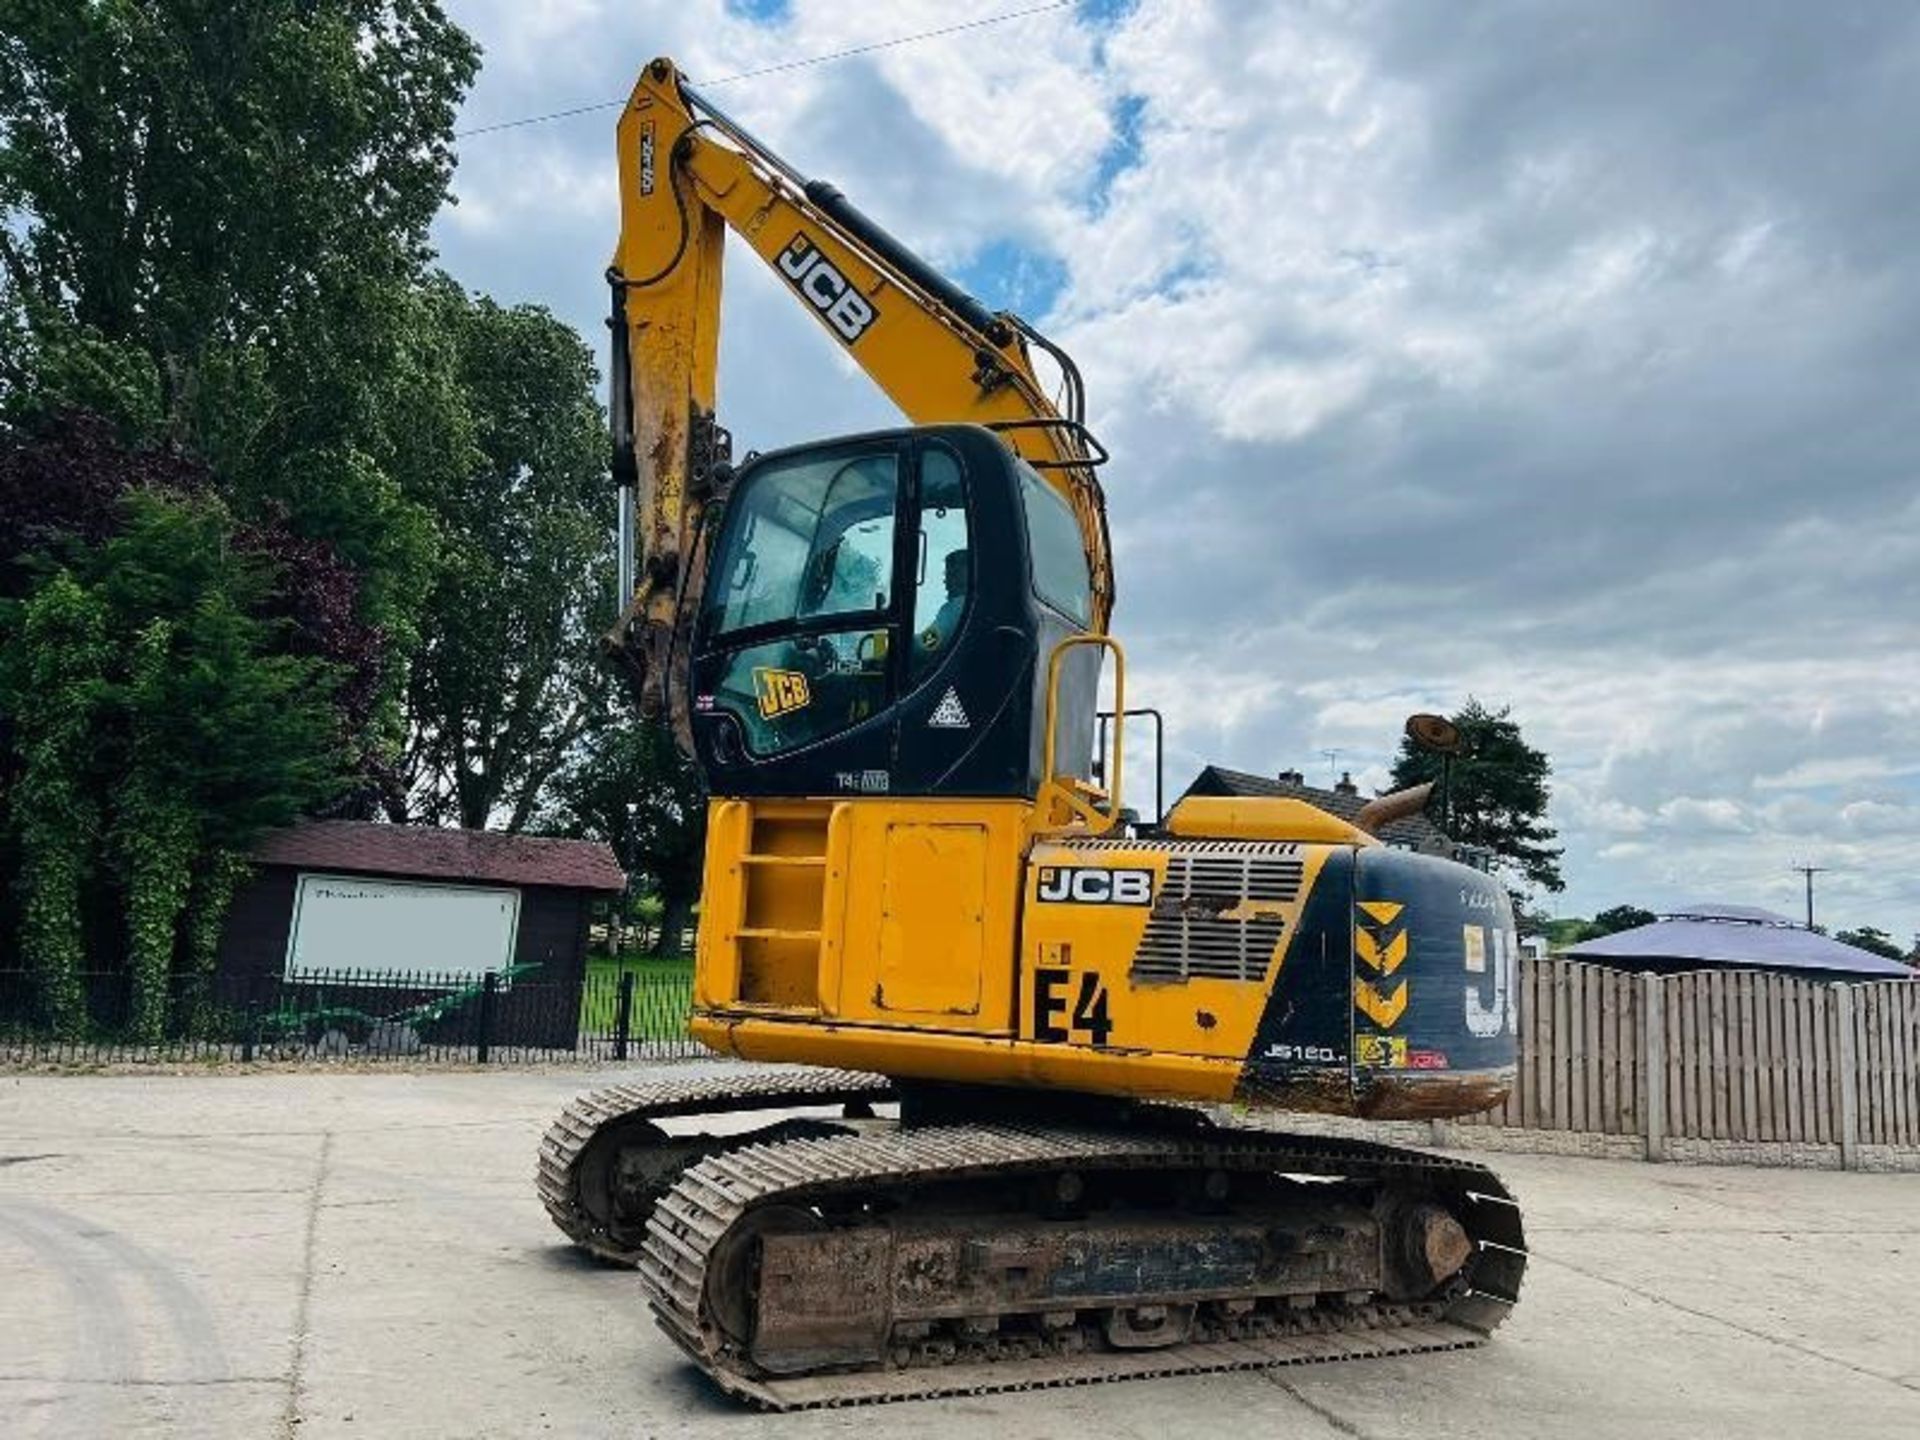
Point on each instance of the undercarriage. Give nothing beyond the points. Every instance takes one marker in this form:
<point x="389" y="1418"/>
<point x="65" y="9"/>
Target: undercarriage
<point x="847" y="1257"/>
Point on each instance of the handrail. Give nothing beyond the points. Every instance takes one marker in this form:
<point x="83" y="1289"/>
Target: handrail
<point x="1064" y="800"/>
<point x="1159" y="754"/>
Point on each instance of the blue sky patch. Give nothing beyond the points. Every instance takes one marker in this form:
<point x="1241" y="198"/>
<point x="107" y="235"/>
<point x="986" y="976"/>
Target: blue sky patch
<point x="761" y="12"/>
<point x="1105" y="12"/>
<point x="1122" y="152"/>
<point x="1007" y="275"/>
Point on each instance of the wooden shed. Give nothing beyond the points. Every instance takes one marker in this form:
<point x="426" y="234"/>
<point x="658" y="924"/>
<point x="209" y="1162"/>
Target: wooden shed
<point x="392" y="902"/>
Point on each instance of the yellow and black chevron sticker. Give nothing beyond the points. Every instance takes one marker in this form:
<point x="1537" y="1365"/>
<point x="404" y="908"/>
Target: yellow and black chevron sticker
<point x="1379" y="949"/>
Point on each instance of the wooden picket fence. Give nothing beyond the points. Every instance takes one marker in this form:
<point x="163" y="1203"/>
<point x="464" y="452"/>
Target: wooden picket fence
<point x="1715" y="1055"/>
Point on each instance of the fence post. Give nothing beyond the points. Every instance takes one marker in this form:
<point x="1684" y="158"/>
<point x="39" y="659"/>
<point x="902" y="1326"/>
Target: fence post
<point x="489" y="987"/>
<point x="623" y="1016"/>
<point x="250" y="1036"/>
<point x="1846" y="1076"/>
<point x="1653" y="1065"/>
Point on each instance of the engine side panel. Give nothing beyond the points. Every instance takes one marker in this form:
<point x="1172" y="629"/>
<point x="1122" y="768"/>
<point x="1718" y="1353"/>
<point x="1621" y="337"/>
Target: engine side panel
<point x="1353" y="978"/>
<point x="1350" y="979"/>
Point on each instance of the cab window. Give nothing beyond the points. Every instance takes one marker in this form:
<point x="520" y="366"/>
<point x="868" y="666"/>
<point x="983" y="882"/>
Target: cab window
<point x="945" y="562"/>
<point x="1059" y="558"/>
<point x="803" y="576"/>
<point x="808" y="540"/>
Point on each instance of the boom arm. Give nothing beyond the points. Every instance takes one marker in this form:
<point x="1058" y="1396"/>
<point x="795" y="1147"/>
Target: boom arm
<point x="687" y="175"/>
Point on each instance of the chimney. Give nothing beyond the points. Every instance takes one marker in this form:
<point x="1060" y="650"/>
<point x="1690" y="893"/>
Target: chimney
<point x="1291" y="777"/>
<point x="1346" y="785"/>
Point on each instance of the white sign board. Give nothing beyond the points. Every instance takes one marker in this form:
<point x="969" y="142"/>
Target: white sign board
<point x="343" y="922"/>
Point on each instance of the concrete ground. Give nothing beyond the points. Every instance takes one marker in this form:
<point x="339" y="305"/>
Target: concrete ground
<point x="361" y="1254"/>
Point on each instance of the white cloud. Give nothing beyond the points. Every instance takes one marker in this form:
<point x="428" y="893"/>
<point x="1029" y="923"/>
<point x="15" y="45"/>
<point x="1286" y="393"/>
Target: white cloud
<point x="1565" y="366"/>
<point x="1687" y="813"/>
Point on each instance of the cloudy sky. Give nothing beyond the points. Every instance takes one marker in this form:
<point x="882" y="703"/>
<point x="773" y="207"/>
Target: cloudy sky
<point x="1563" y="356"/>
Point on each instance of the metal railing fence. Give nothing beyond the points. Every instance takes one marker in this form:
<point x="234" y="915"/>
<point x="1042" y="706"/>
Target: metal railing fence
<point x="515" y="1014"/>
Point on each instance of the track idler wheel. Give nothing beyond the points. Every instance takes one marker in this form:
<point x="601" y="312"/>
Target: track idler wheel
<point x="624" y="1172"/>
<point x="1426" y="1247"/>
<point x="629" y="1166"/>
<point x="733" y="1281"/>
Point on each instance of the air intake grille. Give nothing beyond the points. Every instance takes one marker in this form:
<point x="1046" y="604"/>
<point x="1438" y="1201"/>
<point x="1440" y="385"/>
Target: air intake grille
<point x="1200" y="925"/>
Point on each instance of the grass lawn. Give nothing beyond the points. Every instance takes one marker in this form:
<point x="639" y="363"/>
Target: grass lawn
<point x="662" y="994"/>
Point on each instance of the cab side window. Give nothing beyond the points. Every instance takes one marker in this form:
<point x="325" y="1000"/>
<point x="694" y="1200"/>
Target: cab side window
<point x="945" y="572"/>
<point x="809" y="548"/>
<point x="1059" y="554"/>
<point x="811" y="539"/>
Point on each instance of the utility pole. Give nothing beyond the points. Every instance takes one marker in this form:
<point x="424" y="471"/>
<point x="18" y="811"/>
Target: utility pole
<point x="1809" y="871"/>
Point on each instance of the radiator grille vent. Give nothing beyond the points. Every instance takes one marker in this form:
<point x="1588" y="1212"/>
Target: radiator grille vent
<point x="1189" y="933"/>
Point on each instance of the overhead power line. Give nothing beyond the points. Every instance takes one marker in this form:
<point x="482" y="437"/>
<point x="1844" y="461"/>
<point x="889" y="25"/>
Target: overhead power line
<point x="784" y="65"/>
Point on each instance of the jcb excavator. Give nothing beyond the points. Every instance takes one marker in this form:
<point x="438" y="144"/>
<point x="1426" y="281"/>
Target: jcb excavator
<point x="884" y="652"/>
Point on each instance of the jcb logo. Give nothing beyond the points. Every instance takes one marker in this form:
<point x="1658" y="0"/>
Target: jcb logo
<point x="1074" y="885"/>
<point x="1488" y="1015"/>
<point x="780" y="691"/>
<point x="826" y="289"/>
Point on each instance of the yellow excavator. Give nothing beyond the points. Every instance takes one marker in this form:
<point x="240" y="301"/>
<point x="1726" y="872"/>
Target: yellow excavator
<point x="1034" y="1142"/>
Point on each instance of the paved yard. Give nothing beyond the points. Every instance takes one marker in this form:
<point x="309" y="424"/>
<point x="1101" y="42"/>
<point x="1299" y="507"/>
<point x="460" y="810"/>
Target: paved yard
<point x="361" y="1255"/>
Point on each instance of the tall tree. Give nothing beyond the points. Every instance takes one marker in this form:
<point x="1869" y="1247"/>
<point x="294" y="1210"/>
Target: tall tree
<point x="213" y="215"/>
<point x="183" y="178"/>
<point x="504" y="680"/>
<point x="200" y="730"/>
<point x="165" y="692"/>
<point x="53" y="680"/>
<point x="1498" y="792"/>
<point x="628" y="785"/>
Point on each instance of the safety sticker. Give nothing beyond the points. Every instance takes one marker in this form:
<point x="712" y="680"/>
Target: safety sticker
<point x="949" y="714"/>
<point x="1380" y="1052"/>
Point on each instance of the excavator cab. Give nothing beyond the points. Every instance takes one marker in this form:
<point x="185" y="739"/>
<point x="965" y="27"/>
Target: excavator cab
<point x="877" y="616"/>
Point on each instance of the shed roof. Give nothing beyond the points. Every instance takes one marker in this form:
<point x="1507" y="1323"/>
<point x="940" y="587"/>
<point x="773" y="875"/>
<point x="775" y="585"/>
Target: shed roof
<point x="430" y="852"/>
<point x="1737" y="936"/>
<point x="1414" y="831"/>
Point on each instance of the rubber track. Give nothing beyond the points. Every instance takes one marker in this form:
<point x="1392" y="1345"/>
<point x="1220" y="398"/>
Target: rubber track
<point x="574" y="1129"/>
<point x="713" y="1194"/>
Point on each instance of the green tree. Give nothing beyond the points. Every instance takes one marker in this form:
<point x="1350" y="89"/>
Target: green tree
<point x="1617" y="918"/>
<point x="627" y="784"/>
<point x="53" y="680"/>
<point x="186" y="179"/>
<point x="161" y="723"/>
<point x="505" y="677"/>
<point x="1873" y="941"/>
<point x="213" y="224"/>
<point x="222" y="735"/>
<point x="1498" y="793"/>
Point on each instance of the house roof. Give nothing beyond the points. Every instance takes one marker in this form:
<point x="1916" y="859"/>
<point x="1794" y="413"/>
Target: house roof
<point x="1416" y="831"/>
<point x="1737" y="936"/>
<point x="429" y="852"/>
